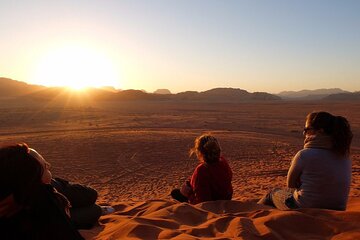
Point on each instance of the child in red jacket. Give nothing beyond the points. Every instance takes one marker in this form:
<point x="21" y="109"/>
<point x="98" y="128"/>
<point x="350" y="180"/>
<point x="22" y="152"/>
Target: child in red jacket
<point x="211" y="179"/>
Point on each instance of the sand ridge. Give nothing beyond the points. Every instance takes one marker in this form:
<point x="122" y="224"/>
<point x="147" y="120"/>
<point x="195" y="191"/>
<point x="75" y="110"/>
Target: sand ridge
<point x="161" y="219"/>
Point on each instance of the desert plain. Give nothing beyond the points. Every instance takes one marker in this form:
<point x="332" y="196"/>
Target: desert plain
<point x="135" y="152"/>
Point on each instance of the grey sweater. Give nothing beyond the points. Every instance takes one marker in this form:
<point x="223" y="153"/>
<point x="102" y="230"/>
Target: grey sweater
<point x="321" y="178"/>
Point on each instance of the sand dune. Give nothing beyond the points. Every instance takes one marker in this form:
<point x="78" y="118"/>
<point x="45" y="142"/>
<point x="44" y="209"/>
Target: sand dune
<point x="135" y="152"/>
<point x="161" y="219"/>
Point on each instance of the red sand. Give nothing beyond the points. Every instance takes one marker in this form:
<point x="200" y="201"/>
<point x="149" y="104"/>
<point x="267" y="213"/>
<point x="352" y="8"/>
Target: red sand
<point x="134" y="152"/>
<point x="160" y="219"/>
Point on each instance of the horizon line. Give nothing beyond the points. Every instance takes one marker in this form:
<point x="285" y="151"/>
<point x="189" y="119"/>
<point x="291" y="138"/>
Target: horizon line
<point x="171" y="92"/>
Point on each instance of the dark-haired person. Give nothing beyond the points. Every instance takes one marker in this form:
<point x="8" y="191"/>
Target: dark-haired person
<point x="211" y="179"/>
<point x="320" y="174"/>
<point x="30" y="208"/>
<point x="84" y="211"/>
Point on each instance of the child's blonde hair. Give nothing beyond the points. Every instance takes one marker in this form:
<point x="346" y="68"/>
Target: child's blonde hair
<point x="207" y="146"/>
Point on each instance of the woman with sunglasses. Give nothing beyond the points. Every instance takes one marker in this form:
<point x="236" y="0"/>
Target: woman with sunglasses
<point x="320" y="173"/>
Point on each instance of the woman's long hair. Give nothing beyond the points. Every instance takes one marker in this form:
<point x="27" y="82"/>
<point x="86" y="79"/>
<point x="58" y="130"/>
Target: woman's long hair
<point x="208" y="146"/>
<point x="337" y="127"/>
<point x="20" y="173"/>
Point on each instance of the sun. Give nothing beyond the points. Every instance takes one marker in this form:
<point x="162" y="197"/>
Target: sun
<point x="75" y="67"/>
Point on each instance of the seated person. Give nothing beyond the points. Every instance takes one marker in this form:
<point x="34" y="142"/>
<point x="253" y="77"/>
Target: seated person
<point x="320" y="173"/>
<point x="84" y="211"/>
<point x="29" y="208"/>
<point x="211" y="179"/>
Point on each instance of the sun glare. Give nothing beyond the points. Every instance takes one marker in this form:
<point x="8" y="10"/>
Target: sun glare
<point x="75" y="67"/>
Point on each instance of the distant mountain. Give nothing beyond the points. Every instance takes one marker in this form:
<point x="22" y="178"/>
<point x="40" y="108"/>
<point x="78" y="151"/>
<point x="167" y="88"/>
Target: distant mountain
<point x="134" y="95"/>
<point x="237" y="94"/>
<point x="226" y="95"/>
<point x="355" y="96"/>
<point x="10" y="88"/>
<point x="61" y="93"/>
<point x="162" y="91"/>
<point x="264" y="96"/>
<point x="188" y="95"/>
<point x="14" y="89"/>
<point x="310" y="94"/>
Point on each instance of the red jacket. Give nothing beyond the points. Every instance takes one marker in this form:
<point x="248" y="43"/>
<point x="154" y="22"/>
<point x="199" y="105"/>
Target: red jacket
<point x="211" y="182"/>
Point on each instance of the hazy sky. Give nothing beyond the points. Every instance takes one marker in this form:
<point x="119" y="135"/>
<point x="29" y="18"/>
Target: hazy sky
<point x="183" y="45"/>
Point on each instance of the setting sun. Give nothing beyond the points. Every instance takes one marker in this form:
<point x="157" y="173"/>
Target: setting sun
<point x="75" y="67"/>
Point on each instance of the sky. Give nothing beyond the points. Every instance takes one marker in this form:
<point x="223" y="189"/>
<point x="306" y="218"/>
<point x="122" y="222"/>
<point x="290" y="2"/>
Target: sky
<point x="257" y="45"/>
